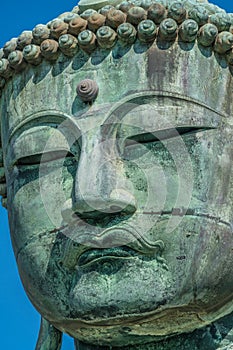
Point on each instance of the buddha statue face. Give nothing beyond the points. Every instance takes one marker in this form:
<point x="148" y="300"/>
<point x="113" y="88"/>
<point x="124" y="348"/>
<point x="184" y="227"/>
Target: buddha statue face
<point x="119" y="190"/>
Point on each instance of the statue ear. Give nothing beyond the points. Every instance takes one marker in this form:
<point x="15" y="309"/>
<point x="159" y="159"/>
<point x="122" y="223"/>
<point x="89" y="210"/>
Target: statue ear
<point x="49" y="337"/>
<point x="2" y="179"/>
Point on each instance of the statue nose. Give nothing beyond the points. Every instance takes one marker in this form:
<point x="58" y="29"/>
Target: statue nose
<point x="101" y="187"/>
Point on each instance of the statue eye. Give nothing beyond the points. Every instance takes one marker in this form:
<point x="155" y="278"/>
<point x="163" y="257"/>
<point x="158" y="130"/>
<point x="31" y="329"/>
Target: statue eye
<point x="138" y="145"/>
<point x="161" y="135"/>
<point x="46" y="157"/>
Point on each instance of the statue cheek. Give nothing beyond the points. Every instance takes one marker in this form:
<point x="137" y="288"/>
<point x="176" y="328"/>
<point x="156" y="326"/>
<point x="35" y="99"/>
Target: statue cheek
<point x="28" y="218"/>
<point x="39" y="280"/>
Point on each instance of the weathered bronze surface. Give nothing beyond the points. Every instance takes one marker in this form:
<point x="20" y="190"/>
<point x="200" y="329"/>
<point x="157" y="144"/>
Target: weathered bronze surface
<point x="116" y="170"/>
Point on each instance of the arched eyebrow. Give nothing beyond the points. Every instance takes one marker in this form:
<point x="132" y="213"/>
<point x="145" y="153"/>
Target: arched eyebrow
<point x="164" y="121"/>
<point x="128" y="103"/>
<point x="35" y="119"/>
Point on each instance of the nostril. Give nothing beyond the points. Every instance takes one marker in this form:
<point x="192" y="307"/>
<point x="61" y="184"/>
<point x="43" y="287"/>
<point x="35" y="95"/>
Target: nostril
<point x="119" y="204"/>
<point x="103" y="219"/>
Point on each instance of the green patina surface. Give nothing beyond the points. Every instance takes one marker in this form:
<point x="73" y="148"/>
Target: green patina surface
<point x="120" y="195"/>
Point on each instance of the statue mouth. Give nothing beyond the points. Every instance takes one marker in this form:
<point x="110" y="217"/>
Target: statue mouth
<point x="118" y="242"/>
<point x="114" y="243"/>
<point x="93" y="255"/>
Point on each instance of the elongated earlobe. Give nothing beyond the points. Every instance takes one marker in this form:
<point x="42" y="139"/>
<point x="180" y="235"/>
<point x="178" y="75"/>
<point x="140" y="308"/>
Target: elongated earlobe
<point x="49" y="338"/>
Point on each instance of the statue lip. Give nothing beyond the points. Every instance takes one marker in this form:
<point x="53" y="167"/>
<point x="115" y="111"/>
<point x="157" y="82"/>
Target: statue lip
<point x="92" y="255"/>
<point x="125" y="235"/>
<point x="115" y="242"/>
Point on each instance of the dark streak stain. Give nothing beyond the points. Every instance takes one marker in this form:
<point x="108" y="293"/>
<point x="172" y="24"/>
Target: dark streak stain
<point x="181" y="257"/>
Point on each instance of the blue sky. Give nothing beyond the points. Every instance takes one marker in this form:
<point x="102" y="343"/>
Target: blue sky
<point x="19" y="322"/>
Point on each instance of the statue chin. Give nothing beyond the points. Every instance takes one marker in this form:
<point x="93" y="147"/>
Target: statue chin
<point x="122" y="296"/>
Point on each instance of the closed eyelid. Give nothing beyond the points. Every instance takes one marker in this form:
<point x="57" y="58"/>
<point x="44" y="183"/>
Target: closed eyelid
<point x="40" y="158"/>
<point x="156" y="115"/>
<point x="36" y="141"/>
<point x="166" y="134"/>
<point x="37" y="127"/>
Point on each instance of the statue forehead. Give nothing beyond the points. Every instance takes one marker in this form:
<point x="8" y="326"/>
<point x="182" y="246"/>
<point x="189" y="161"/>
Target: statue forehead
<point x="186" y="73"/>
<point x="180" y="66"/>
<point x="176" y="68"/>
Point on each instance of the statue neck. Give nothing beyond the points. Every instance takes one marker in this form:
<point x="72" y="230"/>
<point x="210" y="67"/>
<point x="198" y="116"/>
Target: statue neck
<point x="218" y="335"/>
